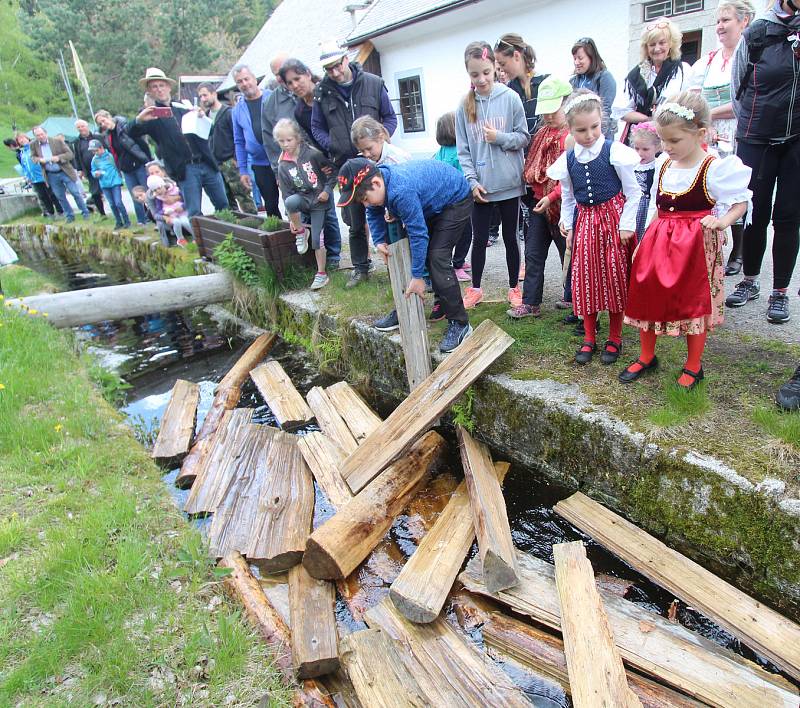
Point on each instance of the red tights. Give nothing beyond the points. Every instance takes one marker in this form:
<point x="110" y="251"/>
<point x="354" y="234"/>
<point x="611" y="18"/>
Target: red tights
<point x="695" y="343"/>
<point x="614" y="327"/>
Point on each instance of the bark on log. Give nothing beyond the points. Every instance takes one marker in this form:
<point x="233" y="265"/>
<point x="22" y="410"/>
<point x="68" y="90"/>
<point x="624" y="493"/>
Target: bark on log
<point x="283" y="399"/>
<point x="314" y="639"/>
<point x="177" y="424"/>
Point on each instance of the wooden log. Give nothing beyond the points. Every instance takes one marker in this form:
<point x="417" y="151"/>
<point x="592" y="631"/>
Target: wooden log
<point x="226" y="397"/>
<point x="324" y="457"/>
<point x="649" y="643"/>
<point x="420" y="591"/>
<point x="495" y="547"/>
<point x="382" y="671"/>
<point x="410" y="314"/>
<point x="359" y="417"/>
<point x="336" y="548"/>
<point x="596" y="674"/>
<point x="314" y="639"/>
<point x="452" y="672"/>
<point x="759" y="627"/>
<point x="330" y="421"/>
<point x="119" y="302"/>
<point x="242" y="585"/>
<point x="283" y="399"/>
<point x="177" y="425"/>
<point x="425" y="404"/>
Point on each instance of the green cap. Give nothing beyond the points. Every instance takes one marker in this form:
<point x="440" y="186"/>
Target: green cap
<point x="551" y="94"/>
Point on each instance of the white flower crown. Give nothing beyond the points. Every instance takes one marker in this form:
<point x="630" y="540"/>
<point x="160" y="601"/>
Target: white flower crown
<point x="678" y="110"/>
<point x="571" y="105"/>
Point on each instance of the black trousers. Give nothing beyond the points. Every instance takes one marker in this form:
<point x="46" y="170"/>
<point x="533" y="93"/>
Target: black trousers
<point x="444" y="231"/>
<point x="268" y="186"/>
<point x="775" y="171"/>
<point x="462" y="247"/>
<point x="481" y="220"/>
<point x="541" y="233"/>
<point x="97" y="195"/>
<point x="47" y="200"/>
<point x="355" y="217"/>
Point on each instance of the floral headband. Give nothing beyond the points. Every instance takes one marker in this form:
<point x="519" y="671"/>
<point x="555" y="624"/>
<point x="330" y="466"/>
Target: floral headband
<point x="678" y="110"/>
<point x="583" y="98"/>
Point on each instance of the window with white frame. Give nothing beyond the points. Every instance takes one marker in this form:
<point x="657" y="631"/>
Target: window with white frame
<point x="669" y="8"/>
<point x="412" y="113"/>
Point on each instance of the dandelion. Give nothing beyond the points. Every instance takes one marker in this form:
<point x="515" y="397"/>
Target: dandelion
<point x="44" y="314"/>
<point x="58" y="427"/>
<point x="33" y="312"/>
<point x="2" y="386"/>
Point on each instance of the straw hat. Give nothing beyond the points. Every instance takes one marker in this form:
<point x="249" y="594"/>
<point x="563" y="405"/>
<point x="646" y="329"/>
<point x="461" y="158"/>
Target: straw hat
<point x="330" y="53"/>
<point x="152" y="74"/>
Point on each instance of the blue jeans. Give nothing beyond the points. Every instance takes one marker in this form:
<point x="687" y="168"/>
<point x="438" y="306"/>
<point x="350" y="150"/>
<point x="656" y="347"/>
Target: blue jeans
<point x="113" y="196"/>
<point x="61" y="184"/>
<point x="200" y="176"/>
<point x="137" y="178"/>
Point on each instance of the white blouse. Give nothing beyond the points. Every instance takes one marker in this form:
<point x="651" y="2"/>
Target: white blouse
<point x="727" y="181"/>
<point x="713" y="74"/>
<point x="623" y="160"/>
<point x="625" y="104"/>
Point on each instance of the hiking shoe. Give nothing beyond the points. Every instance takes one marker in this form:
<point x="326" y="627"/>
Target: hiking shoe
<point x="387" y="323"/>
<point x="778" y="308"/>
<point x="515" y="296"/>
<point x="182" y="242"/>
<point x="472" y="296"/>
<point x="788" y="395"/>
<point x="745" y="291"/>
<point x="455" y="334"/>
<point x="523" y="310"/>
<point x="357" y="277"/>
<point x="320" y="281"/>
<point x="462" y="276"/>
<point x="301" y="241"/>
<point x="437" y="312"/>
<point x="467" y="266"/>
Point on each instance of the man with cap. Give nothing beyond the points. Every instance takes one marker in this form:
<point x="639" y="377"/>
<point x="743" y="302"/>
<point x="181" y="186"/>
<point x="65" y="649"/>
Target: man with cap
<point x="103" y="168"/>
<point x="345" y="93"/>
<point x="188" y="158"/>
<point x="83" y="162"/>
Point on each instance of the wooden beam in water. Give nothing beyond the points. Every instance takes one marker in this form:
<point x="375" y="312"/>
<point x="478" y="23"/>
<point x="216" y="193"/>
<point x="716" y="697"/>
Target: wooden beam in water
<point x="359" y="417"/>
<point x="330" y="421"/>
<point x="324" y="457"/>
<point x="315" y="649"/>
<point x="283" y="399"/>
<point x="177" y="424"/>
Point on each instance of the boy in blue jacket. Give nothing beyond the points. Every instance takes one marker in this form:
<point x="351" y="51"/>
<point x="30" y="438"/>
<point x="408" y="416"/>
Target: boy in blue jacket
<point x="434" y="202"/>
<point x="105" y="171"/>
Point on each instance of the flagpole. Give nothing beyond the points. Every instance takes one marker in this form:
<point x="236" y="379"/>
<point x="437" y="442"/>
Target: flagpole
<point x="81" y="74"/>
<point x="62" y="65"/>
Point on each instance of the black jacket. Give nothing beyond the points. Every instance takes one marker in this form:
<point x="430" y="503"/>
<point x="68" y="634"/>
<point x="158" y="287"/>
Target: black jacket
<point x="129" y="151"/>
<point x="176" y="149"/>
<point x="529" y="104"/>
<point x="221" y="138"/>
<point x="82" y="157"/>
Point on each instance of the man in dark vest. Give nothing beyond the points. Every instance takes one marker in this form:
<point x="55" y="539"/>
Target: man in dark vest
<point x="348" y="92"/>
<point x="83" y="162"/>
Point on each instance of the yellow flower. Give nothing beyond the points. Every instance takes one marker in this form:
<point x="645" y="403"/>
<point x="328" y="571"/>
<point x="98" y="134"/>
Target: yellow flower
<point x="44" y="314"/>
<point x="2" y="297"/>
<point x="58" y="427"/>
<point x="33" y="312"/>
<point x="2" y="386"/>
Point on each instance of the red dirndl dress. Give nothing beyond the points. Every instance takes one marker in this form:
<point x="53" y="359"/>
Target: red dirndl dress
<point x="670" y="282"/>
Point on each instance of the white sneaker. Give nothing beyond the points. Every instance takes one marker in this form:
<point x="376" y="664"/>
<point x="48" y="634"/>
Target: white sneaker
<point x="301" y="240"/>
<point x="320" y="281"/>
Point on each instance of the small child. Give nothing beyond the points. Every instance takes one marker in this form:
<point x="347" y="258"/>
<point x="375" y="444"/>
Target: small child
<point x="677" y="273"/>
<point x="105" y="171"/>
<point x="433" y="201"/>
<point x="156" y="167"/>
<point x="371" y="139"/>
<point x="168" y="197"/>
<point x="599" y="200"/>
<point x="647" y="144"/>
<point x="306" y="189"/>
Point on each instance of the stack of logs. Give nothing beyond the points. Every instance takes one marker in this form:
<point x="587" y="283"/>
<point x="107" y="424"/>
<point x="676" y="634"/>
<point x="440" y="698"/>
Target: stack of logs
<point x="258" y="483"/>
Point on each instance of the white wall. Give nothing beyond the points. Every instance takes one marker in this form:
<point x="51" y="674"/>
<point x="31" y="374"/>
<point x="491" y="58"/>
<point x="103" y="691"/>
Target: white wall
<point x="437" y="47"/>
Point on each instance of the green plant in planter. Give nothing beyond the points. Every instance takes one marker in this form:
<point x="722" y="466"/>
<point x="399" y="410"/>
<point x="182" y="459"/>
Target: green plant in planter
<point x="273" y="223"/>
<point x="232" y="257"/>
<point x="226" y="215"/>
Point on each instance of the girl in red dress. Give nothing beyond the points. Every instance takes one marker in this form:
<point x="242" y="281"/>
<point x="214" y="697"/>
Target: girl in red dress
<point x="677" y="273"/>
<point x="599" y="199"/>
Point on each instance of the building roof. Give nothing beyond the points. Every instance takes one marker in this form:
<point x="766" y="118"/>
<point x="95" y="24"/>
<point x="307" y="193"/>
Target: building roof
<point x="386" y="15"/>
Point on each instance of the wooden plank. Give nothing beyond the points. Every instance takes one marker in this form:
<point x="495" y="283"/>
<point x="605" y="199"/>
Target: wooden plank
<point x="226" y="398"/>
<point x="453" y="673"/>
<point x="314" y="640"/>
<point x="330" y="421"/>
<point x="410" y="314"/>
<point x="648" y="642"/>
<point x="324" y="457"/>
<point x="762" y="629"/>
<point x="420" y="591"/>
<point x="596" y="674"/>
<point x="177" y="424"/>
<point x="336" y="548"/>
<point x="425" y="404"/>
<point x="495" y="547"/>
<point x="359" y="417"/>
<point x="283" y="399"/>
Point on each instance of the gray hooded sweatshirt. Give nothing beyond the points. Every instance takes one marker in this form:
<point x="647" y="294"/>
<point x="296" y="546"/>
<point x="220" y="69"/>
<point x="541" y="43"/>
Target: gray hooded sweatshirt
<point x="497" y="166"/>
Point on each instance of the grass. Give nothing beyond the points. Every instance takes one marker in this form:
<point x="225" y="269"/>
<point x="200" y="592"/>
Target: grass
<point x="369" y="299"/>
<point x="19" y="281"/>
<point x="106" y="592"/>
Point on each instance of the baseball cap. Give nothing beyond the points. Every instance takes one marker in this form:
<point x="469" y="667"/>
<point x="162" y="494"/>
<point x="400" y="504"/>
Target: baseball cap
<point x="551" y="93"/>
<point x="95" y="144"/>
<point x="354" y="172"/>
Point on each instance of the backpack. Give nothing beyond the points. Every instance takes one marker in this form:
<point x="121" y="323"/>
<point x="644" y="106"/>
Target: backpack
<point x="757" y="41"/>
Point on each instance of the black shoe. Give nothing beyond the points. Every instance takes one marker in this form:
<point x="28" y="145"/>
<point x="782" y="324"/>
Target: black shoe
<point x="356" y="278"/>
<point x="628" y="376"/>
<point x="456" y="333"/>
<point x="571" y="318"/>
<point x="778" y="308"/>
<point x="745" y="291"/>
<point x="696" y="375"/>
<point x="611" y="352"/>
<point x="734" y="267"/>
<point x="387" y="323"/>
<point x="437" y="312"/>
<point x="788" y="396"/>
<point x="580" y="330"/>
<point x="584" y="354"/>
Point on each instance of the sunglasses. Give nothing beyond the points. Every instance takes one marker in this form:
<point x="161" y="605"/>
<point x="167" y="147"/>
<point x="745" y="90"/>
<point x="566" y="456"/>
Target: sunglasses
<point x="657" y="25"/>
<point x="502" y="43"/>
<point x="334" y="67"/>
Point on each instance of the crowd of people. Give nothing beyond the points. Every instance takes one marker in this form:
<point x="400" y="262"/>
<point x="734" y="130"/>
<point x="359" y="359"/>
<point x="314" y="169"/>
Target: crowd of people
<point x="639" y="216"/>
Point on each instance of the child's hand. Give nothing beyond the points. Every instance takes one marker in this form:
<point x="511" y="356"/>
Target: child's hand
<point x="489" y="133"/>
<point x="383" y="249"/>
<point x="323" y="197"/>
<point x="625" y="236"/>
<point x="477" y="194"/>
<point x="712" y="223"/>
<point x="542" y="205"/>
<point x="568" y="236"/>
<point x="415" y="286"/>
<point x="387" y="217"/>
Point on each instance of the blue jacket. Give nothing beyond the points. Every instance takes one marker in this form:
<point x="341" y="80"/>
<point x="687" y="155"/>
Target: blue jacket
<point x="105" y="163"/>
<point x="416" y="191"/>
<point x="32" y="170"/>
<point x="244" y="139"/>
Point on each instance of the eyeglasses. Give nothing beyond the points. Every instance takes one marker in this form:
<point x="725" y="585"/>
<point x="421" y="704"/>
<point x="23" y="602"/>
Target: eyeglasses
<point x="334" y="67"/>
<point x="657" y="25"/>
<point x="583" y="40"/>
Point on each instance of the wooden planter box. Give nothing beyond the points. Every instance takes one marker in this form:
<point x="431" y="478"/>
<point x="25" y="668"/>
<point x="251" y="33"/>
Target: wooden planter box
<point x="274" y="248"/>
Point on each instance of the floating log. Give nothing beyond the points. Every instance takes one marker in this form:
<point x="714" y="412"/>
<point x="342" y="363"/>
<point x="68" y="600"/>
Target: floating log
<point x="336" y="548"/>
<point x="359" y="417"/>
<point x="495" y="547"/>
<point x="759" y="627"/>
<point x="226" y="397"/>
<point x="453" y="673"/>
<point x="324" y="457"/>
<point x="177" y="424"/>
<point x="314" y="639"/>
<point x="283" y="399"/>
<point x="596" y="674"/>
<point x="330" y="421"/>
<point x="425" y="404"/>
<point x="420" y="591"/>
<point x="119" y="302"/>
<point x="648" y="642"/>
